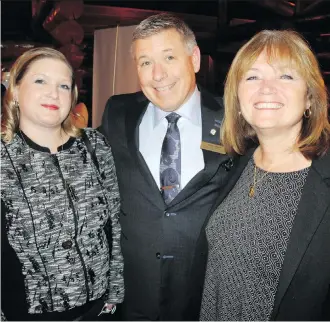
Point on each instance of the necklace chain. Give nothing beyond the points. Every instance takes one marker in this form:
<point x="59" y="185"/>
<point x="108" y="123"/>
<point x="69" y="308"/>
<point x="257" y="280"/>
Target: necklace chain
<point x="255" y="181"/>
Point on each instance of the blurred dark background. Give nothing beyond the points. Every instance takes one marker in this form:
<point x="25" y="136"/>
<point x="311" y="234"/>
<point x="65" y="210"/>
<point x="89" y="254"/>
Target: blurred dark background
<point x="221" y="27"/>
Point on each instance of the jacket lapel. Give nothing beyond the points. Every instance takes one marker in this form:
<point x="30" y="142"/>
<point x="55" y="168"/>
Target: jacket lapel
<point x="311" y="209"/>
<point x="133" y="120"/>
<point x="212" y="113"/>
<point x="240" y="164"/>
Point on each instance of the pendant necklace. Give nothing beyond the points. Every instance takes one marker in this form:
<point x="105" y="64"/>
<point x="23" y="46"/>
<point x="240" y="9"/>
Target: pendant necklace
<point x="255" y="181"/>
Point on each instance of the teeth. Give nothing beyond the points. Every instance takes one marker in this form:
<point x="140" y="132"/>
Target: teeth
<point x="165" y="88"/>
<point x="268" y="105"/>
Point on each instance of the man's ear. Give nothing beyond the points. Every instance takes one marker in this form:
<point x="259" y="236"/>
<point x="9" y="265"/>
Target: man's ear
<point x="196" y="58"/>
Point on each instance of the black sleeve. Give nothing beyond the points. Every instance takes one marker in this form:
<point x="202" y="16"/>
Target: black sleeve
<point x="326" y="307"/>
<point x="13" y="298"/>
<point x="104" y="127"/>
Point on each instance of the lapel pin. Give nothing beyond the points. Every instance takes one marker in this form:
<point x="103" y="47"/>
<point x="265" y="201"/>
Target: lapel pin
<point x="217" y="123"/>
<point x="213" y="131"/>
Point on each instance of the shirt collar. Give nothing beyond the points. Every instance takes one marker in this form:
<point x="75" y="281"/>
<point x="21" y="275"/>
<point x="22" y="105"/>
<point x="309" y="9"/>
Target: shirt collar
<point x="190" y="110"/>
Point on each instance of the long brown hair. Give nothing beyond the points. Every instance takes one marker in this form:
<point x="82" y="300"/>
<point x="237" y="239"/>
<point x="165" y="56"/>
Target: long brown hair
<point x="290" y="47"/>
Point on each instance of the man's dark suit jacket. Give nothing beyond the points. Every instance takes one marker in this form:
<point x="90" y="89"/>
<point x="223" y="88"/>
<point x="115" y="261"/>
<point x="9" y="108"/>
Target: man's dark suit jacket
<point x="303" y="291"/>
<point x="158" y="241"/>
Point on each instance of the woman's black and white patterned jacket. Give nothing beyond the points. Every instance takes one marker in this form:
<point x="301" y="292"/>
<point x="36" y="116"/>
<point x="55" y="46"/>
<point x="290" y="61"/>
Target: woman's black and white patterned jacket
<point x="60" y="249"/>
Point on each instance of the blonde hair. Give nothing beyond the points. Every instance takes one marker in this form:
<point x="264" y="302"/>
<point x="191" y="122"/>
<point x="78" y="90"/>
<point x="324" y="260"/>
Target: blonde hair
<point x="289" y="47"/>
<point x="10" y="118"/>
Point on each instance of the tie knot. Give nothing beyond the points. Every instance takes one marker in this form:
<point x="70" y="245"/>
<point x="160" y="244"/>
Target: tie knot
<point x="172" y="118"/>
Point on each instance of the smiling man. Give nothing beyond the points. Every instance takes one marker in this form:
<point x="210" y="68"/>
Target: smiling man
<point x="165" y="141"/>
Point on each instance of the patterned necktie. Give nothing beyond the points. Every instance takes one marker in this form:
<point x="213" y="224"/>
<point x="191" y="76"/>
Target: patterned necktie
<point x="170" y="160"/>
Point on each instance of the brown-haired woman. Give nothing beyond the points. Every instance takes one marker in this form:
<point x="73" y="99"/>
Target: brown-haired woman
<point x="59" y="200"/>
<point x="269" y="237"/>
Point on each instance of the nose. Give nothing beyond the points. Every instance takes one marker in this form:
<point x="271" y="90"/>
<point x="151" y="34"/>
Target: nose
<point x="159" y="72"/>
<point x="52" y="91"/>
<point x="267" y="87"/>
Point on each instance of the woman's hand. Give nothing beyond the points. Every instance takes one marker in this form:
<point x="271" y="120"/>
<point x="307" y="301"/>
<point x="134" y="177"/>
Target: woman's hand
<point x="108" y="308"/>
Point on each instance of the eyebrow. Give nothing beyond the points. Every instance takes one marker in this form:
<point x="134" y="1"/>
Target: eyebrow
<point x="38" y="74"/>
<point x="142" y="57"/>
<point x="278" y="67"/>
<point x="167" y="50"/>
<point x="164" y="51"/>
<point x="44" y="75"/>
<point x="253" y="70"/>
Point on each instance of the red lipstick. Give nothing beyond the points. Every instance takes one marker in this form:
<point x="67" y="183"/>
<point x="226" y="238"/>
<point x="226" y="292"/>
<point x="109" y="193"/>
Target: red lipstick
<point x="50" y="106"/>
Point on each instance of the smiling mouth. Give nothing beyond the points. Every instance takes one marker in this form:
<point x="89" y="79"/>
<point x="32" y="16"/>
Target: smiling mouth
<point x="268" y="105"/>
<point x="50" y="106"/>
<point x="164" y="88"/>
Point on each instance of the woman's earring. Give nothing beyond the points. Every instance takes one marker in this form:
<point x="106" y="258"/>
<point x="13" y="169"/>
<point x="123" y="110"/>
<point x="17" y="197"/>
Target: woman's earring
<point x="307" y="113"/>
<point x="16" y="104"/>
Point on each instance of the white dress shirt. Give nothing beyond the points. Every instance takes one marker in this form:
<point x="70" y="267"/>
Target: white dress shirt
<point x="152" y="131"/>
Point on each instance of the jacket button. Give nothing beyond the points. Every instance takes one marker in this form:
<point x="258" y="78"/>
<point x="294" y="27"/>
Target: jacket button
<point x="158" y="255"/>
<point x="170" y="214"/>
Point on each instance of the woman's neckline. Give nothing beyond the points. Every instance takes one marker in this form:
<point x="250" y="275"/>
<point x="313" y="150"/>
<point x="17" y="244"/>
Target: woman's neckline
<point x="278" y="172"/>
<point x="41" y="148"/>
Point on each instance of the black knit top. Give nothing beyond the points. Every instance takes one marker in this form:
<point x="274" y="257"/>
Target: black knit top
<point x="247" y="239"/>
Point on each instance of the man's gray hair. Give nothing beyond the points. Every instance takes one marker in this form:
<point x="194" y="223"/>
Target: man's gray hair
<point x="164" y="21"/>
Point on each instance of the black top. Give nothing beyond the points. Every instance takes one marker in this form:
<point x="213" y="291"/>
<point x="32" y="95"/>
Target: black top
<point x="247" y="238"/>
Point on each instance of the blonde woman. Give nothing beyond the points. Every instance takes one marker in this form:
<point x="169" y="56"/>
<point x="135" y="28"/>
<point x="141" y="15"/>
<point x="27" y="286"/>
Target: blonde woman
<point x="61" y="257"/>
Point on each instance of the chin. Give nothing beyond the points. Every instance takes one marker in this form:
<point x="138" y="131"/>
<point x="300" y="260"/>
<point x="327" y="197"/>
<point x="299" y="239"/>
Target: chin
<point x="166" y="106"/>
<point x="169" y="108"/>
<point x="50" y="123"/>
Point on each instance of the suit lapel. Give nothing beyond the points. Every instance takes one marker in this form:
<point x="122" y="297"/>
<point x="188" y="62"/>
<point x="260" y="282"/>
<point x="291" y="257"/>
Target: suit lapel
<point x="311" y="209"/>
<point x="240" y="164"/>
<point x="133" y="120"/>
<point x="211" y="116"/>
